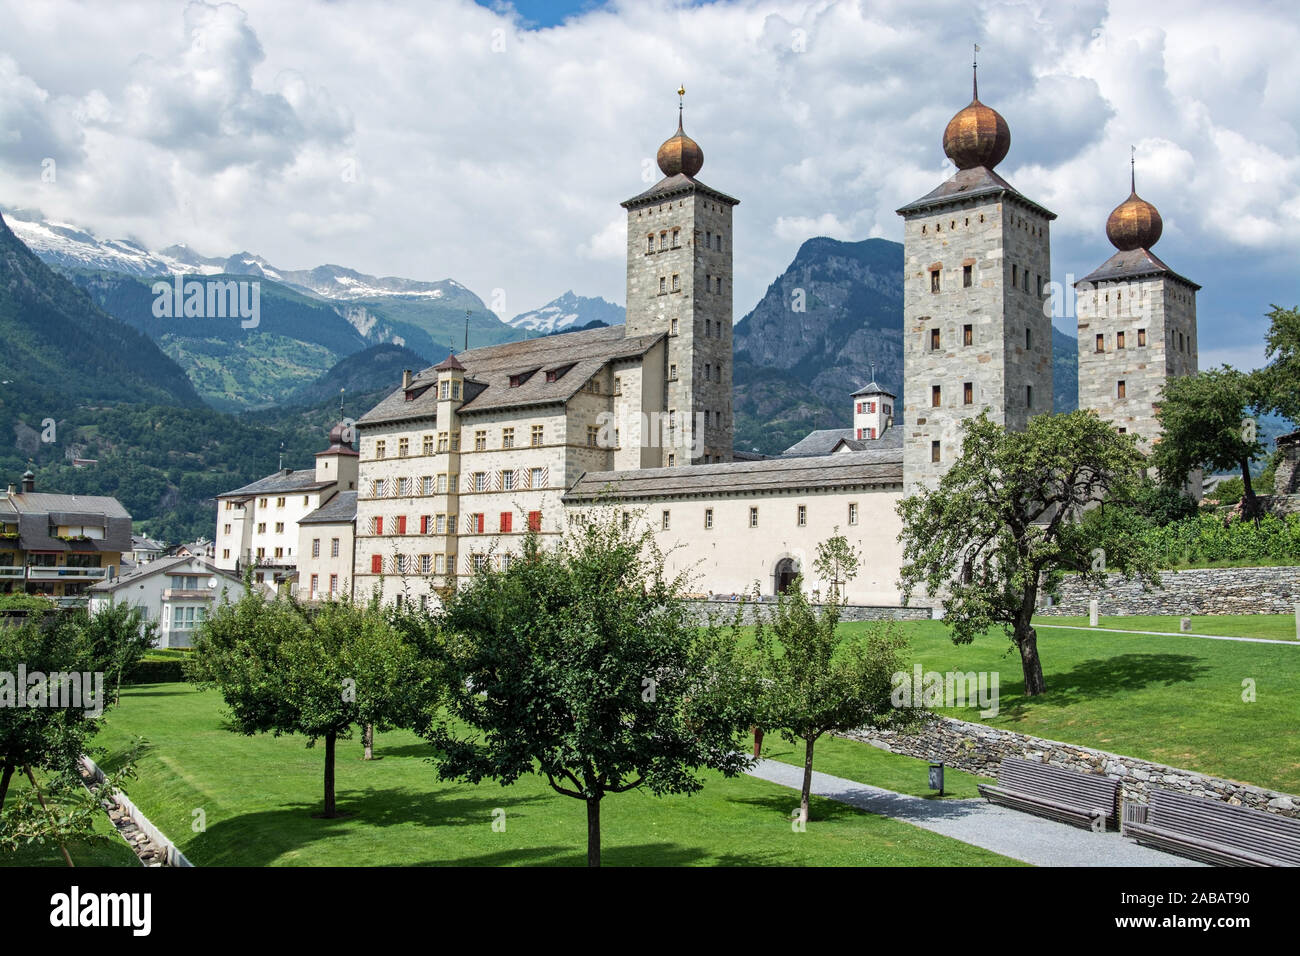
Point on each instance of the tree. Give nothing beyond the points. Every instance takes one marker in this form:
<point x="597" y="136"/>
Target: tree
<point x="285" y="669"/>
<point x="809" y="681"/>
<point x="1281" y="377"/>
<point x="837" y="561"/>
<point x="583" y="663"/>
<point x="1206" y="423"/>
<point x="1002" y="525"/>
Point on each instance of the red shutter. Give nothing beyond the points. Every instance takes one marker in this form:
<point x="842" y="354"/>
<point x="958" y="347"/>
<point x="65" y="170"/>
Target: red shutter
<point x="424" y="524"/>
<point x="379" y="525"/>
<point x="401" y="524"/>
<point x="479" y="522"/>
<point x="534" y="521"/>
<point x="505" y="521"/>
<point x="376" y="564"/>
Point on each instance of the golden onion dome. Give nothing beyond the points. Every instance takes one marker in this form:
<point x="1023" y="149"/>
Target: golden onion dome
<point x="977" y="136"/>
<point x="680" y="154"/>
<point x="1134" y="224"/>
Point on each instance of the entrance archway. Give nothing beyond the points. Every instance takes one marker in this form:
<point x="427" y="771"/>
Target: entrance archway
<point x="787" y="569"/>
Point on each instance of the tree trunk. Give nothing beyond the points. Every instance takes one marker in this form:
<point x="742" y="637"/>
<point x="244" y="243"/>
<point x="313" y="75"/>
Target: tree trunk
<point x="593" y="831"/>
<point x="329" y="776"/>
<point x="758" y="742"/>
<point x="1249" y="503"/>
<point x="5" y="777"/>
<point x="368" y="741"/>
<point x="1030" y="665"/>
<point x="807" y="778"/>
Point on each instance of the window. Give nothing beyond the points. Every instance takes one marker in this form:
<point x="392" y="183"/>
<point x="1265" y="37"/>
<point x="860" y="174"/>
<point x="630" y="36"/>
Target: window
<point x="674" y="327"/>
<point x="1142" y="337"/>
<point x="261" y="552"/>
<point x="934" y="451"/>
<point x="441" y="485"/>
<point x="225" y="552"/>
<point x="377" y="524"/>
<point x="1101" y="342"/>
<point x="677" y="239"/>
<point x="376" y="564"/>
<point x="1120" y="389"/>
<point x="593" y="436"/>
<point x="936" y="395"/>
<point x="672" y="460"/>
<point x="534" y="521"/>
<point x="708" y="519"/>
<point x="1180" y="341"/>
<point x="508" y="480"/>
<point x="672" y="373"/>
<point x="536" y="435"/>
<point x="934" y="280"/>
<point x="442" y="441"/>
<point x="478" y="522"/>
<point x="801" y="516"/>
<point x="403" y="447"/>
<point x="426" y="485"/>
<point x="424" y="524"/>
<point x="381" y="449"/>
<point x="665" y="520"/>
<point x="401" y="524"/>
<point x="968" y="393"/>
<point x="334" y="547"/>
<point x="480" y="441"/>
<point x="663" y="285"/>
<point x="1029" y="396"/>
<point x="934" y="340"/>
<point x="279" y="502"/>
<point x="478" y="481"/>
<point x="1015" y="275"/>
<point x="334" y="584"/>
<point x="426" y="445"/>
<point x="444" y="390"/>
<point x="966" y="276"/>
<point x="717" y="372"/>
<point x="677" y="282"/>
<point x="440" y="524"/>
<point x="719" y="289"/>
<point x="1029" y="339"/>
<point x="315" y="584"/>
<point x="853" y="512"/>
<point x="753" y="517"/>
<point x="537" y="478"/>
<point x="650" y="243"/>
<point x="719" y="247"/>
<point x="478" y="562"/>
<point x="506" y="520"/>
<point x="708" y="240"/>
<point x="507" y="438"/>
<point x="968" y="335"/>
<point x="618" y="385"/>
<point x="1038" y="281"/>
<point x="315" y="552"/>
<point x="426" y="563"/>
<point x="403" y="487"/>
<point x="261" y="527"/>
<point x="439" y="563"/>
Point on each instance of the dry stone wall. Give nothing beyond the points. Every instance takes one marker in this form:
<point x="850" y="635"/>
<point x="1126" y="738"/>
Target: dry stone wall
<point x="1195" y="591"/>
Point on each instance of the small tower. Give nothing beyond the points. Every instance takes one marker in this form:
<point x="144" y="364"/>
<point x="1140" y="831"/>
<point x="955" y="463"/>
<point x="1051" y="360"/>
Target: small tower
<point x="340" y="461"/>
<point x="977" y="268"/>
<point x="873" y="411"/>
<point x="1137" y="324"/>
<point x="679" y="284"/>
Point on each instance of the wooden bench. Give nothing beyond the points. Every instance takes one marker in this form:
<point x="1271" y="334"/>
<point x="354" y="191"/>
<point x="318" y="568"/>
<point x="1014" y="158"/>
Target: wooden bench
<point x="1083" y="799"/>
<point x="1212" y="831"/>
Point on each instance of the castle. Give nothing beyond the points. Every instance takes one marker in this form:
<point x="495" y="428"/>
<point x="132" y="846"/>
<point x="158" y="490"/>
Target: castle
<point x="464" y="458"/>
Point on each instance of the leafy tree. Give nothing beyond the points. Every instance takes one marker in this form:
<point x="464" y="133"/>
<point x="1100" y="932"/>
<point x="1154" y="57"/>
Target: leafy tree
<point x="1162" y="504"/>
<point x="1229" y="491"/>
<point x="1281" y="377"/>
<point x="810" y="681"/>
<point x="285" y="669"/>
<point x="583" y="663"/>
<point x="1206" y="423"/>
<point x="837" y="561"/>
<point x="1003" y="524"/>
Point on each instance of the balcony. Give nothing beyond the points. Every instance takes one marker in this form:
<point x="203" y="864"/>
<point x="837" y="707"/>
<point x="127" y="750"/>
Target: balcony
<point x="187" y="594"/>
<point x="9" y="573"/>
<point x="64" y="573"/>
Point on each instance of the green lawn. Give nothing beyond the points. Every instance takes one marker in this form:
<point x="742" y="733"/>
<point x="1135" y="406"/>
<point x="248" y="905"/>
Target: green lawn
<point x="1175" y="700"/>
<point x="110" y="852"/>
<point x="1279" y="627"/>
<point x="258" y="795"/>
<point x="854" y="760"/>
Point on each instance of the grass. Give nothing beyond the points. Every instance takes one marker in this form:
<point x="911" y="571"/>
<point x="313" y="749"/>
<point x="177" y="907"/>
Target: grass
<point x="112" y="851"/>
<point x="863" y="763"/>
<point x="1173" y="700"/>
<point x="1278" y="627"/>
<point x="258" y="795"/>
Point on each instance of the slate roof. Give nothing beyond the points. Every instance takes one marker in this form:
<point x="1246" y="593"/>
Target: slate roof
<point x="488" y="371"/>
<point x="824" y="440"/>
<point x="161" y="566"/>
<point x="1133" y="264"/>
<point x="677" y="185"/>
<point x="279" y="482"/>
<point x="339" y="509"/>
<point x="976" y="183"/>
<point x="37" y="511"/>
<point x="852" y="469"/>
<point x="871" y="388"/>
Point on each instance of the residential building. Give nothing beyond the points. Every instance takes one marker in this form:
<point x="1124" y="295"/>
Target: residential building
<point x="177" y="594"/>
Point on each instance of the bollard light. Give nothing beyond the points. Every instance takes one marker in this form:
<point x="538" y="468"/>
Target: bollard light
<point x="936" y="776"/>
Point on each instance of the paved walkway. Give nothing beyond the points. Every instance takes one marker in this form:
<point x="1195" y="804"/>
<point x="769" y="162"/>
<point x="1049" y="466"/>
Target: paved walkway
<point x="1021" y="836"/>
<point x="1207" y="637"/>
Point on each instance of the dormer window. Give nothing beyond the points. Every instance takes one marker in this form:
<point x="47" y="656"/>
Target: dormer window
<point x="555" y="374"/>
<point x="520" y="377"/>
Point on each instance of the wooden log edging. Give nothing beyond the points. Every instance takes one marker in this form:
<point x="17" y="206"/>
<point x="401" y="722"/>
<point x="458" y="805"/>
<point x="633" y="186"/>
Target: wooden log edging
<point x="172" y="856"/>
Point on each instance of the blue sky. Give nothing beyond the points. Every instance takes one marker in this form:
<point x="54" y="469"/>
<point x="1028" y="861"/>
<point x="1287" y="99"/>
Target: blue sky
<point x="492" y="144"/>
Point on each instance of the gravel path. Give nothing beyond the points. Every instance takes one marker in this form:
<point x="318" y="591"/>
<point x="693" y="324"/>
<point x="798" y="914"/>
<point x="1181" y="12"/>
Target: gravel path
<point x="1204" y="637"/>
<point x="1021" y="836"/>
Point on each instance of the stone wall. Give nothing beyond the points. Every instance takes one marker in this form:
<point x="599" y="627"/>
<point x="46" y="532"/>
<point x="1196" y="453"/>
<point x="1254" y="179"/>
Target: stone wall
<point x="723" y="610"/>
<point x="1195" y="591"/>
<point x="977" y="748"/>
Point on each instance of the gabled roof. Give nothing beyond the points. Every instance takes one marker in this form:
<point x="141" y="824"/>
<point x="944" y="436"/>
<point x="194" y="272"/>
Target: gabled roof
<point x="488" y="371"/>
<point x="824" y="441"/>
<point x="849" y="470"/>
<point x="1133" y="264"/>
<point x="161" y="566"/>
<point x="978" y="182"/>
<point x="38" y="512"/>
<point x="871" y="388"/>
<point x="279" y="482"/>
<point x="340" y="509"/>
<point x="676" y="185"/>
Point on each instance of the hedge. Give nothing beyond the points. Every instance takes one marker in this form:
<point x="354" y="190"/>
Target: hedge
<point x="1205" y="538"/>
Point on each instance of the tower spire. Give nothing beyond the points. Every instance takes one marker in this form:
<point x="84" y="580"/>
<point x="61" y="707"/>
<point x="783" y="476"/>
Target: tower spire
<point x="974" y="74"/>
<point x="1132" y="170"/>
<point x="681" y="104"/>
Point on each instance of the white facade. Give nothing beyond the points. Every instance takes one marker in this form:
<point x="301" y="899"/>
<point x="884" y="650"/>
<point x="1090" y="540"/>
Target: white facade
<point x="177" y="594"/>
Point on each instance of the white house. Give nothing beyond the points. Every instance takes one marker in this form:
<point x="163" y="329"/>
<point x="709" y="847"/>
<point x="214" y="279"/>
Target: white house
<point x="176" y="593"/>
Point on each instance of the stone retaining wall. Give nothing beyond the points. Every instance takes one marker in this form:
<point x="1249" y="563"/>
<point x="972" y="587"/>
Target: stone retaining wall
<point x="1195" y="591"/>
<point x="724" y="610"/>
<point x="978" y="748"/>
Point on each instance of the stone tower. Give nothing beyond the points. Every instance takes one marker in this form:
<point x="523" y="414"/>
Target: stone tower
<point x="1137" y="325"/>
<point x="679" y="282"/>
<point x="976" y="334"/>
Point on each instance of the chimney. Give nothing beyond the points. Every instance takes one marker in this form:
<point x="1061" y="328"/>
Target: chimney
<point x="29" y="481"/>
<point x="406" y="378"/>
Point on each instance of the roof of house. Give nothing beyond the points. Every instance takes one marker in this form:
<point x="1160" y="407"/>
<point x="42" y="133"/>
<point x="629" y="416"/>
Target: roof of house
<point x="852" y="469"/>
<point x="824" y="440"/>
<point x="140" y="543"/>
<point x="340" y="509"/>
<point x="978" y="182"/>
<point x="1133" y="264"/>
<point x="38" y="513"/>
<point x="677" y="185"/>
<point x="489" y="370"/>
<point x="286" y="479"/>
<point x="871" y="388"/>
<point x="161" y="566"/>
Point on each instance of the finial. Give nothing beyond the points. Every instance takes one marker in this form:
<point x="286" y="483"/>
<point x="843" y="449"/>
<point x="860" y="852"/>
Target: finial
<point x="974" y="74"/>
<point x="1132" y="169"/>
<point x="873" y="371"/>
<point x="341" y="403"/>
<point x="681" y="102"/>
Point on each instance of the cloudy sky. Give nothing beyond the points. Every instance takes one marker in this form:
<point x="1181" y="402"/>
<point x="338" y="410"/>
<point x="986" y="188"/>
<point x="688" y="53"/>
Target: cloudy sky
<point x="491" y="143"/>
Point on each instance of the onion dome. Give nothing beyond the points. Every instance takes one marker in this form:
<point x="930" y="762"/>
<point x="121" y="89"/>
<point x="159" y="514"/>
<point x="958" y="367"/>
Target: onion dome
<point x="680" y="153"/>
<point x="977" y="135"/>
<point x="1134" y="223"/>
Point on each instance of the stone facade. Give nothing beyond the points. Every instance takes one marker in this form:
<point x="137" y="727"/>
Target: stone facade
<point x="975" y="330"/>
<point x="725" y="610"/>
<point x="979" y="749"/>
<point x="1286" y="478"/>
<point x="1195" y="591"/>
